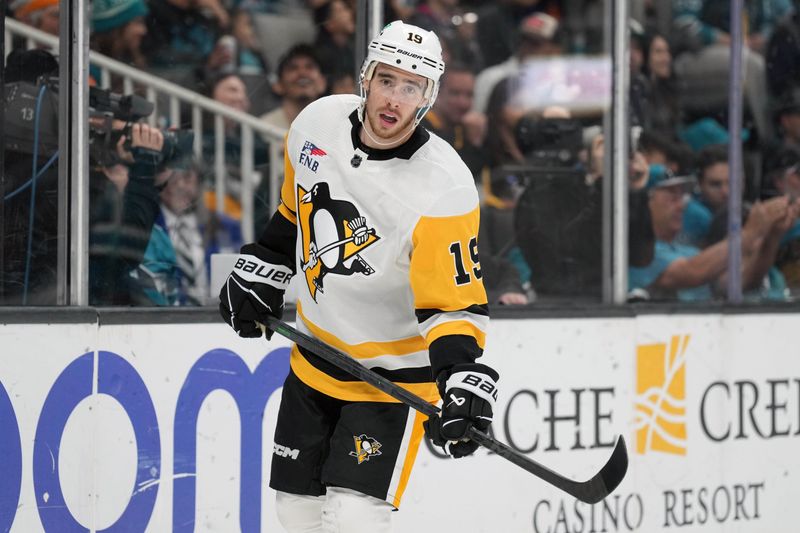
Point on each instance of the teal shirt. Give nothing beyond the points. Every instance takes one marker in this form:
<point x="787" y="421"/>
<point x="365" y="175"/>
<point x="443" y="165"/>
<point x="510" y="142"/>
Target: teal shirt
<point x="157" y="275"/>
<point x="666" y="253"/>
<point x="696" y="222"/>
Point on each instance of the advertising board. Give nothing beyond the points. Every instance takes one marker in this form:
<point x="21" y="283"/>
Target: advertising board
<point x="169" y="428"/>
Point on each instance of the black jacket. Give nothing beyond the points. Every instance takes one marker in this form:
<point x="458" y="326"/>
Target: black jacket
<point x="558" y="225"/>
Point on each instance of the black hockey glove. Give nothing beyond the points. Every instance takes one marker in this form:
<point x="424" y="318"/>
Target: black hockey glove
<point x="469" y="392"/>
<point x="254" y="290"/>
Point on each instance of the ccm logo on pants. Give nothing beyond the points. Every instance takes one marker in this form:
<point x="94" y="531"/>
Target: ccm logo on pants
<point x="285" y="451"/>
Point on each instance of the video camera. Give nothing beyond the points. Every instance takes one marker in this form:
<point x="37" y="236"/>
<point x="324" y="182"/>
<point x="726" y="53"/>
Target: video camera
<point x="549" y="142"/>
<point x="31" y="111"/>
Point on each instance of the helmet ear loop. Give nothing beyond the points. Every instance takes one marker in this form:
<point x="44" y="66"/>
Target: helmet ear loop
<point x="366" y="79"/>
<point x="429" y="98"/>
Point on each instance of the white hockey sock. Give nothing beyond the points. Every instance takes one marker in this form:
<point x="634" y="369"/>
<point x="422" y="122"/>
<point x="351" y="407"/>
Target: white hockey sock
<point x="299" y="513"/>
<point x="349" y="511"/>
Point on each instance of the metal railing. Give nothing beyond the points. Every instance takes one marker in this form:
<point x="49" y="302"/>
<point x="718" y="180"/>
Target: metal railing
<point x="176" y="95"/>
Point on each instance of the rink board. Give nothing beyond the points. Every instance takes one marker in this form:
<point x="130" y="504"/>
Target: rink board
<point x="160" y="428"/>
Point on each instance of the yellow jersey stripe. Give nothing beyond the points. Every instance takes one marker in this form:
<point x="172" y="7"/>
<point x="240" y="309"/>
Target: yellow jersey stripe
<point x="364" y="350"/>
<point x="410" y="458"/>
<point x="352" y="391"/>
<point x="287" y="189"/>
<point x="457" y="327"/>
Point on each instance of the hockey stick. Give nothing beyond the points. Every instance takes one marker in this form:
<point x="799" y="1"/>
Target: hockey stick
<point x="591" y="491"/>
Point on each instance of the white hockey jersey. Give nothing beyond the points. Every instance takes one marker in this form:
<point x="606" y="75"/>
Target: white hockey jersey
<point x="386" y="250"/>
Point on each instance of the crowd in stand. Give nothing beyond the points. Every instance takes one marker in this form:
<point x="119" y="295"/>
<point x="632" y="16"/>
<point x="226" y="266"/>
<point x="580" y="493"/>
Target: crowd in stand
<point x="523" y="98"/>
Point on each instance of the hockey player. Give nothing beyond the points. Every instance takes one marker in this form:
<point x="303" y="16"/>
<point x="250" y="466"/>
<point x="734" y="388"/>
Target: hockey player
<point x="388" y="214"/>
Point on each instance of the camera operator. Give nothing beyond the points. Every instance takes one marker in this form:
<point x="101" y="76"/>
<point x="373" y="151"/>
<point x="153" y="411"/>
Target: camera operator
<point x="559" y="219"/>
<point x="124" y="157"/>
<point x="123" y="204"/>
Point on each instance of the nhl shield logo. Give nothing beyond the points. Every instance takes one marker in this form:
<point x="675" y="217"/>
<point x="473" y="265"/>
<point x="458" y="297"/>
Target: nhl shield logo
<point x="366" y="447"/>
<point x="333" y="233"/>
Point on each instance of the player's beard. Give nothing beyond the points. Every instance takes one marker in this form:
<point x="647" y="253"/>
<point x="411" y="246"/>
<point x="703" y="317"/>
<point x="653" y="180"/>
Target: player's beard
<point x="400" y="129"/>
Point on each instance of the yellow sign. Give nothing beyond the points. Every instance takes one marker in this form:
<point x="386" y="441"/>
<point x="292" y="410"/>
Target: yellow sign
<point x="661" y="396"/>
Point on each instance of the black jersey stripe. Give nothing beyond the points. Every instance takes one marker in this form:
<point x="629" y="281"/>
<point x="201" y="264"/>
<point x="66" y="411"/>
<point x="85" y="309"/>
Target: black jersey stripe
<point x="287" y="206"/>
<point x="475" y="309"/>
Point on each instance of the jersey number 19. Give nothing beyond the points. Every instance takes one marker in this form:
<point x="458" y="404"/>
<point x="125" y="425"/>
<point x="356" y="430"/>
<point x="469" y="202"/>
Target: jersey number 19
<point x="462" y="277"/>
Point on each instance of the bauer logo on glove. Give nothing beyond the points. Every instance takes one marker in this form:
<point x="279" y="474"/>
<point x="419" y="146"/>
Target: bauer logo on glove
<point x="276" y="275"/>
<point x="254" y="290"/>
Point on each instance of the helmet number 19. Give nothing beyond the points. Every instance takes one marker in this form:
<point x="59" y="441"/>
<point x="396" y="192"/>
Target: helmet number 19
<point x="414" y="37"/>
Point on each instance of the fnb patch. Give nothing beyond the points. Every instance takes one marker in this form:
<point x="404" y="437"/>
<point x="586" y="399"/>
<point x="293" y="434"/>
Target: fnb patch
<point x="310" y="149"/>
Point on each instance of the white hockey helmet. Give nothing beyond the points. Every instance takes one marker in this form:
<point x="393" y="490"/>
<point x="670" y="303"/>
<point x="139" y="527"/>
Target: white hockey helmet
<point x="409" y="48"/>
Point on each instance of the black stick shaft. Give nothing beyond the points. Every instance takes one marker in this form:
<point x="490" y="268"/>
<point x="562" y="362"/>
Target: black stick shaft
<point x="590" y="491"/>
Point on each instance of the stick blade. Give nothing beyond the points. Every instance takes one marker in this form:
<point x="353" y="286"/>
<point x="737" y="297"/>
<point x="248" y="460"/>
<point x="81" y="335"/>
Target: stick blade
<point x="609" y="477"/>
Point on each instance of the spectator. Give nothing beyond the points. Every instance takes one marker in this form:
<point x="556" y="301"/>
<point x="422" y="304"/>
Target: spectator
<point x="41" y="14"/>
<point x="687" y="273"/>
<point x="300" y="82"/>
<point x="122" y="209"/>
<point x="239" y="51"/>
<point x="180" y="199"/>
<point x="783" y="55"/>
<point x="711" y="197"/>
<point x="772" y="286"/>
<point x="452" y="119"/>
<point x="507" y="112"/>
<point x="501" y="143"/>
<point x="229" y="89"/>
<point x="785" y="180"/>
<point x="702" y="29"/>
<point x="537" y="37"/>
<point x="706" y="22"/>
<point x="251" y="60"/>
<point x="448" y="20"/>
<point x="335" y="42"/>
<point x="788" y="118"/>
<point x="662" y="152"/>
<point x="174" y="270"/>
<point x="195" y="232"/>
<point x="182" y="34"/>
<point x="558" y="227"/>
<point x="663" y="110"/>
<point x="761" y="17"/>
<point x="118" y="31"/>
<point x="498" y="25"/>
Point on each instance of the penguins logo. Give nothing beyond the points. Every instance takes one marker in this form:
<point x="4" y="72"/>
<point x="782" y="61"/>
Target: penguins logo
<point x="333" y="234"/>
<point x="366" y="447"/>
